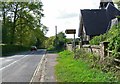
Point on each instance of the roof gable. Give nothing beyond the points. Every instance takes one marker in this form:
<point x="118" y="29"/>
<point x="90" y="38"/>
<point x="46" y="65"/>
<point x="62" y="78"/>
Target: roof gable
<point x="95" y="21"/>
<point x="112" y="11"/>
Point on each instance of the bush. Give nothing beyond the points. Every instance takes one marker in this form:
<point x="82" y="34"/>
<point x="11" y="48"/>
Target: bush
<point x="97" y="39"/>
<point x="112" y="36"/>
<point x="107" y="65"/>
<point x="91" y="58"/>
<point x="11" y="49"/>
<point x="114" y="44"/>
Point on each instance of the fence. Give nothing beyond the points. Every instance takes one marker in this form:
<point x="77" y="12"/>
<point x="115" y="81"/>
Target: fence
<point x="100" y="50"/>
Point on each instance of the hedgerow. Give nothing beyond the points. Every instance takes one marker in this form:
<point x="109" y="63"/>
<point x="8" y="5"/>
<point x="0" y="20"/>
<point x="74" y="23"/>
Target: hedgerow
<point x="113" y="37"/>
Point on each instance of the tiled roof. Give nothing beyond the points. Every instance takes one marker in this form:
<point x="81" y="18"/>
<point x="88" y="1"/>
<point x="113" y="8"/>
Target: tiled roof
<point x="98" y="21"/>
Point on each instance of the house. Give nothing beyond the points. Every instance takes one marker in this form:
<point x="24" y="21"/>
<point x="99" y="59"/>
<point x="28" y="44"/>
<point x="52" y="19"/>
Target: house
<point x="94" y="22"/>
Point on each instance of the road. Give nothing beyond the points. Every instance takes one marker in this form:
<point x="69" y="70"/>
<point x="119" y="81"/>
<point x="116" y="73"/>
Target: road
<point x="20" y="68"/>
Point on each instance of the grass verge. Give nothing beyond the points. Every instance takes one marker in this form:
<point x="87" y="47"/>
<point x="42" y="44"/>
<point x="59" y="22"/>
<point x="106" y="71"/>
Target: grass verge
<point x="70" y="70"/>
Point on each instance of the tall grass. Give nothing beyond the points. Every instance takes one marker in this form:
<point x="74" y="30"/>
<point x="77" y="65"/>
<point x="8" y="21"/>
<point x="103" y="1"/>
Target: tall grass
<point x="70" y="70"/>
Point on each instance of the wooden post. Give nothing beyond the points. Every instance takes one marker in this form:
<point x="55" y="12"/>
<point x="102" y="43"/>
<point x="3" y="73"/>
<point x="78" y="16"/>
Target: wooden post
<point x="74" y="44"/>
<point x="104" y="46"/>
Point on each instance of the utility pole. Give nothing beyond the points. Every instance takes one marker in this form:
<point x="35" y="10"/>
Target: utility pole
<point x="56" y="37"/>
<point x="56" y="31"/>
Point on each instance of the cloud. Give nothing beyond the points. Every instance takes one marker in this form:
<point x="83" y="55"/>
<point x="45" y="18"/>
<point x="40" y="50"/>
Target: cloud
<point x="67" y="15"/>
<point x="64" y="13"/>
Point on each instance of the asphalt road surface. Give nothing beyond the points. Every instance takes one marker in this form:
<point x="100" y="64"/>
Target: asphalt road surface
<point x="21" y="67"/>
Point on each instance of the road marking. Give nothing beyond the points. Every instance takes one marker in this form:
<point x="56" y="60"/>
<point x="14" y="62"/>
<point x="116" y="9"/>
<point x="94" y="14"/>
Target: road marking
<point x="13" y="62"/>
<point x="37" y="69"/>
<point x="1" y="58"/>
<point x="43" y="73"/>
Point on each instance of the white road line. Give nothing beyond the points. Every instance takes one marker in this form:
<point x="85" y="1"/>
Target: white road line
<point x="2" y="58"/>
<point x="38" y="67"/>
<point x="13" y="63"/>
<point x="43" y="73"/>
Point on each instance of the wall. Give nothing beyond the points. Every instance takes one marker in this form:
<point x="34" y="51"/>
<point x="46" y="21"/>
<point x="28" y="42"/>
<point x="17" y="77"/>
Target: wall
<point x="69" y="47"/>
<point x="100" y="50"/>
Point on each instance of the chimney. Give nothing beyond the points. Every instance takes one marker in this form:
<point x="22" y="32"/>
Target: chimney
<point x="104" y="3"/>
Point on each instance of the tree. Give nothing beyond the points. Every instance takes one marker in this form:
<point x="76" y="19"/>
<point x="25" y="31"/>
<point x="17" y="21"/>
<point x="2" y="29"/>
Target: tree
<point x="118" y="3"/>
<point x="22" y="23"/>
<point x="61" y="39"/>
<point x="44" y="29"/>
<point x="51" y="42"/>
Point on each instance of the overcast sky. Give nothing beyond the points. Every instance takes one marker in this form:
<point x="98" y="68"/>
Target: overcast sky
<point x="65" y="14"/>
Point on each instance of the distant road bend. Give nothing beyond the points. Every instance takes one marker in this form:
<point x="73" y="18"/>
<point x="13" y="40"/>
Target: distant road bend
<point x="20" y="68"/>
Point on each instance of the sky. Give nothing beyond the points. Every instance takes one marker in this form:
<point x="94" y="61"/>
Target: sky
<point x="65" y="14"/>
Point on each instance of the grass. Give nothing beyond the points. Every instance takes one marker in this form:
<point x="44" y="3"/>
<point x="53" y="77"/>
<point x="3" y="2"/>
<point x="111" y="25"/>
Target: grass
<point x="55" y="50"/>
<point x="70" y="70"/>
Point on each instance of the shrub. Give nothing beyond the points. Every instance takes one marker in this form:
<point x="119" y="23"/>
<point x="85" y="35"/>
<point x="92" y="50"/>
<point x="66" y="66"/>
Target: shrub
<point x="114" y="40"/>
<point x="11" y="49"/>
<point x="112" y="36"/>
<point x="107" y="65"/>
<point x="97" y="39"/>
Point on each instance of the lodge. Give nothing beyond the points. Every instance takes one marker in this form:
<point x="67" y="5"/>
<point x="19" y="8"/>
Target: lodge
<point x="94" y="22"/>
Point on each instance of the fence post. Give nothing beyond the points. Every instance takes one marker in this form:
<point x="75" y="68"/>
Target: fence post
<point x="104" y="46"/>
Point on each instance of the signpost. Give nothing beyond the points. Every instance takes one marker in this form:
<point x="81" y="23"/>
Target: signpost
<point x="71" y="31"/>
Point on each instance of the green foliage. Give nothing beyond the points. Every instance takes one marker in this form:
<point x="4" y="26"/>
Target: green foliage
<point x="118" y="4"/>
<point x="70" y="70"/>
<point x="13" y="49"/>
<point x="95" y="61"/>
<point x="112" y="36"/>
<point x="90" y="58"/>
<point x="69" y="40"/>
<point x="21" y="23"/>
<point x="21" y="26"/>
<point x="60" y="40"/>
<point x="49" y="43"/>
<point x="56" y="43"/>
<point x="97" y="39"/>
<point x="114" y="39"/>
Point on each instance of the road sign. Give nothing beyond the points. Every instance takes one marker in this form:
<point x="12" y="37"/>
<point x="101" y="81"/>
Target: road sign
<point x="70" y="31"/>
